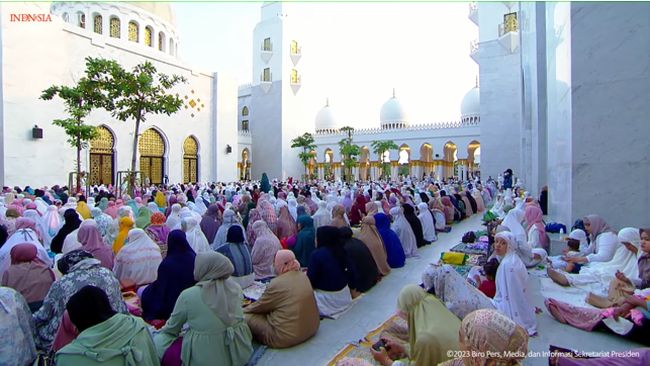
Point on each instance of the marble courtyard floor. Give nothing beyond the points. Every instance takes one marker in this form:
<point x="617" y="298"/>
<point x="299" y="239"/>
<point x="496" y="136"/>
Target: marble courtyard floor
<point x="379" y="303"/>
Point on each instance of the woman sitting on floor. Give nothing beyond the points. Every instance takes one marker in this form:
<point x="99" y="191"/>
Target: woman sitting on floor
<point x="327" y="273"/>
<point x="286" y="314"/>
<point x="394" y="251"/>
<point x="237" y="251"/>
<point x="362" y="269"/>
<point x="217" y="332"/>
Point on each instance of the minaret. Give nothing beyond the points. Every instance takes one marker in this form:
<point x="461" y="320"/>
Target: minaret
<point x="276" y="110"/>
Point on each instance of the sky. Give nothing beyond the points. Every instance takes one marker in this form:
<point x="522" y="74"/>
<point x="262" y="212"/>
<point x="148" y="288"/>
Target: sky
<point x="354" y="54"/>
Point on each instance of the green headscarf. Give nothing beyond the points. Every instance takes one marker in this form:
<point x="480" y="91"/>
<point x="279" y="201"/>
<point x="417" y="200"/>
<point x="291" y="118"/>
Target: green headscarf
<point x="265" y="185"/>
<point x="144" y="218"/>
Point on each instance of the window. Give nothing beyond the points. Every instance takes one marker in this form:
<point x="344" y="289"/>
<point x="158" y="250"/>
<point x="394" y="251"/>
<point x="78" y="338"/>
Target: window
<point x="115" y="27"/>
<point x="133" y="31"/>
<point x="161" y="41"/>
<point x="266" y="46"/>
<point x="244" y="111"/>
<point x="244" y="125"/>
<point x="81" y="20"/>
<point x="295" y="50"/>
<point x="510" y="23"/>
<point x="171" y="46"/>
<point x="148" y="36"/>
<point x="97" y="24"/>
<point x="295" y="79"/>
<point x="266" y="75"/>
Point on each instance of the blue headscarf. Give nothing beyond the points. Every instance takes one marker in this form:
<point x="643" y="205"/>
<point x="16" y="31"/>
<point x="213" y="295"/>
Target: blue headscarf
<point x="392" y="244"/>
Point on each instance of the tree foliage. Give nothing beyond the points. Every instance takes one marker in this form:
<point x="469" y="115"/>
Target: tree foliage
<point x="380" y="147"/>
<point x="307" y="143"/>
<point x="349" y="153"/>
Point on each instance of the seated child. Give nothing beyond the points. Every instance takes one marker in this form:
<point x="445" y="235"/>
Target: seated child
<point x="574" y="246"/>
<point x="488" y="285"/>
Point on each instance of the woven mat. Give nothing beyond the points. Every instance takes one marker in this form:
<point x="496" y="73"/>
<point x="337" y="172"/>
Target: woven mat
<point x="462" y="248"/>
<point x="361" y="349"/>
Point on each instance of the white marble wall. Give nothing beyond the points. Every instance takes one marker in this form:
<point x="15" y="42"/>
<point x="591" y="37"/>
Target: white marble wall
<point x="610" y="59"/>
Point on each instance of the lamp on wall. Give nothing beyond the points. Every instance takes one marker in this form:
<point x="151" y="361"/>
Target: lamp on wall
<point x="228" y="149"/>
<point x="37" y="132"/>
<point x="437" y="155"/>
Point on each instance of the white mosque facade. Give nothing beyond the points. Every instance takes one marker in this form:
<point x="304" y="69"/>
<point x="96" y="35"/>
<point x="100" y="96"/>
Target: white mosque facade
<point x="222" y="132"/>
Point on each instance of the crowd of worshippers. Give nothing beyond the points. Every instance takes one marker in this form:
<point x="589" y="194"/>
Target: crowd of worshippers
<point x="87" y="277"/>
<point x="75" y="266"/>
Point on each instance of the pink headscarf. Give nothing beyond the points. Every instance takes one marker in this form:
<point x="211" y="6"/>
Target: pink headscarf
<point x="285" y="261"/>
<point x="598" y="225"/>
<point x="91" y="241"/>
<point x="534" y="216"/>
<point x="111" y="210"/>
<point x="27" y="223"/>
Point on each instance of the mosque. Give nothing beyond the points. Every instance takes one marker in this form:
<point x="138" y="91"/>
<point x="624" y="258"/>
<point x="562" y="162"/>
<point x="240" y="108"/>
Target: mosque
<point x="221" y="132"/>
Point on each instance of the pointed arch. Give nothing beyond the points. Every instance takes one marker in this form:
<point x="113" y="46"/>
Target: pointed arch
<point x="152" y="148"/>
<point x="102" y="157"/>
<point x="190" y="160"/>
<point x="245" y="173"/>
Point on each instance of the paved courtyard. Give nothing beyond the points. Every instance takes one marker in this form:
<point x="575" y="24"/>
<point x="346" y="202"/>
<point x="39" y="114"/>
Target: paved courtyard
<point x="378" y="304"/>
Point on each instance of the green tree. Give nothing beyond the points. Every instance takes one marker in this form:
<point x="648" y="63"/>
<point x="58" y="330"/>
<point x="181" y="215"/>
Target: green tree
<point x="79" y="101"/>
<point x="379" y="148"/>
<point x="134" y="95"/>
<point x="349" y="153"/>
<point x="306" y="143"/>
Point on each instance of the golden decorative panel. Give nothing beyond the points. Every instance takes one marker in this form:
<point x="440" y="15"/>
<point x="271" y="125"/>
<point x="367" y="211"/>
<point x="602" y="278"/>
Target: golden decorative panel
<point x="190" y="170"/>
<point x="115" y="27"/>
<point x="510" y="23"/>
<point x="148" y="37"/>
<point x="97" y="24"/>
<point x="103" y="143"/>
<point x="101" y="169"/>
<point x="152" y="168"/>
<point x="190" y="147"/>
<point x="133" y="32"/>
<point x="151" y="143"/>
<point x="191" y="102"/>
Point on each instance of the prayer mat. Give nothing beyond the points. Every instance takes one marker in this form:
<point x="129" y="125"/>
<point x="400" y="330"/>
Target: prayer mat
<point x="467" y="249"/>
<point x="395" y="328"/>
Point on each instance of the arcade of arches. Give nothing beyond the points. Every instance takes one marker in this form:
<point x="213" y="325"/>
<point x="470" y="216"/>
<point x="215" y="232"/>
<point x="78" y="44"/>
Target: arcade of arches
<point x="443" y="164"/>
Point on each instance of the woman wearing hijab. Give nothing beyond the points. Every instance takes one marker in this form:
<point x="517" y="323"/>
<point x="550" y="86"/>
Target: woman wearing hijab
<point x="394" y="250"/>
<point x="210" y="222"/>
<point x="490" y="338"/>
<point x="137" y="262"/>
<point x="428" y="223"/>
<point x="537" y="237"/>
<point x="404" y="232"/>
<point x="530" y="256"/>
<point x="144" y="218"/>
<point x="362" y="269"/>
<point x="432" y="329"/>
<point x="51" y="223"/>
<point x="71" y="224"/>
<point x="371" y="238"/>
<point x="17" y="346"/>
<point x="292" y="204"/>
<point x="408" y="210"/>
<point x="322" y="217"/>
<point x="213" y="313"/>
<point x="92" y="242"/>
<point x="83" y="210"/>
<point x="253" y="216"/>
<point x="327" y="272"/>
<point x="111" y="209"/>
<point x="195" y="236"/>
<point x="449" y="209"/>
<point x="174" y="218"/>
<point x="287" y="226"/>
<point x="511" y="297"/>
<point x="264" y="250"/>
<point x="229" y="219"/>
<point x="79" y="269"/>
<point x="286" y="314"/>
<point x="267" y="211"/>
<point x="246" y="211"/>
<point x="158" y="232"/>
<point x="23" y="234"/>
<point x="358" y="210"/>
<point x="125" y="225"/>
<point x="104" y="223"/>
<point x="305" y="241"/>
<point x="175" y="274"/>
<point x="160" y="200"/>
<point x="602" y="247"/>
<point x="28" y="275"/>
<point x="236" y="250"/>
<point x="106" y="337"/>
<point x="338" y="217"/>
<point x="472" y="202"/>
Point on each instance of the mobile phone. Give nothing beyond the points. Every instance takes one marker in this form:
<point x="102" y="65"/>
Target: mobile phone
<point x="381" y="343"/>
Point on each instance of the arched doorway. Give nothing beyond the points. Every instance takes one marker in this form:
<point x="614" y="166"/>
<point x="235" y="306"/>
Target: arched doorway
<point x="245" y="173"/>
<point x="102" y="157"/>
<point x="426" y="159"/>
<point x="190" y="160"/>
<point x="151" y="147"/>
<point x="329" y="162"/>
<point x="312" y="164"/>
<point x="404" y="161"/>
<point x="474" y="158"/>
<point x="450" y="160"/>
<point x="364" y="164"/>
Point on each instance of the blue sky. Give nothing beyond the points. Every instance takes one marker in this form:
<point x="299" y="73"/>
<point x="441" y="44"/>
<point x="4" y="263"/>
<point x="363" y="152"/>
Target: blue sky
<point x="355" y="53"/>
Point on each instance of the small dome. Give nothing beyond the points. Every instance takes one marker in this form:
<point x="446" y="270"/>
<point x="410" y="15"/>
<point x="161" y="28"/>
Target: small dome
<point x="392" y="113"/>
<point x="161" y="10"/>
<point x="471" y="104"/>
<point x="325" y="120"/>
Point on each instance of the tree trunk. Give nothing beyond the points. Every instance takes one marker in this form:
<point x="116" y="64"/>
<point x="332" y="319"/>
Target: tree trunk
<point x="78" y="183"/>
<point x="134" y="157"/>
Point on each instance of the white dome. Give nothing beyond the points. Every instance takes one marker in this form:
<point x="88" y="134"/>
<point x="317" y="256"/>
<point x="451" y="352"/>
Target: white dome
<point x="392" y="112"/>
<point x="325" y="120"/>
<point x="471" y="104"/>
